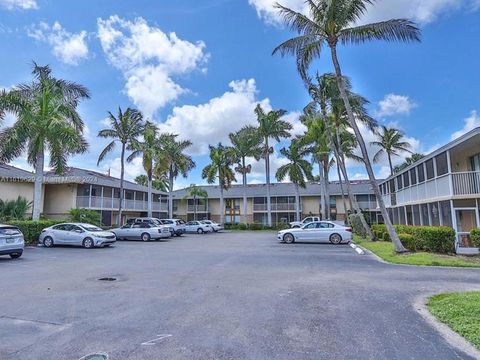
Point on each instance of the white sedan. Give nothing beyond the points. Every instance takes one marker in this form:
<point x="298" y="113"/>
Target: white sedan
<point x="216" y="227"/>
<point x="197" y="227"/>
<point x="317" y="231"/>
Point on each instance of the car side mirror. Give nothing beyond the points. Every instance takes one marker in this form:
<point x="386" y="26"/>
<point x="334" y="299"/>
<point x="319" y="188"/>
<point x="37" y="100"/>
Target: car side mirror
<point x="78" y="231"/>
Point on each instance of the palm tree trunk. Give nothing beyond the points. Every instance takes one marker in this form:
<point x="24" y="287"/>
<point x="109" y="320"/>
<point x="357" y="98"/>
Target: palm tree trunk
<point x="341" y="86"/>
<point x="149" y="201"/>
<point x="341" y="188"/>
<point x="297" y="203"/>
<point x="322" y="191"/>
<point x="122" y="176"/>
<point x="390" y="163"/>
<point x="267" y="171"/>
<point x="194" y="208"/>
<point x="170" y="193"/>
<point x="326" y="183"/>
<point x="222" y="206"/>
<point x="38" y="185"/>
<point x="245" y="206"/>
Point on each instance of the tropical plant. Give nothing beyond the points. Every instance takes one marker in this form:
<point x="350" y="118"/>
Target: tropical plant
<point x="14" y="209"/>
<point x="270" y="126"/>
<point x="195" y="192"/>
<point x="220" y="169"/>
<point x="330" y="22"/>
<point x="245" y="143"/>
<point x="408" y="161"/>
<point x="148" y="150"/>
<point x="125" y="129"/>
<point x="173" y="161"/>
<point x="298" y="170"/>
<point x="85" y="216"/>
<point x="390" y="143"/>
<point x="46" y="120"/>
<point x="160" y="184"/>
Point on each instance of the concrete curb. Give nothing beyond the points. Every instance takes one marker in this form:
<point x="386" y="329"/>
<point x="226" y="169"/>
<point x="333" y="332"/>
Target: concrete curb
<point x="357" y="248"/>
<point x="453" y="338"/>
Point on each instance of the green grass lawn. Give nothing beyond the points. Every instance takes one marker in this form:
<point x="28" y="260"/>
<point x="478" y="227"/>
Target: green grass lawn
<point x="385" y="250"/>
<point x="460" y="311"/>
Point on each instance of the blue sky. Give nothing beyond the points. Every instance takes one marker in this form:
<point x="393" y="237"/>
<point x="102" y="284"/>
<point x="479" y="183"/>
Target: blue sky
<point x="198" y="68"/>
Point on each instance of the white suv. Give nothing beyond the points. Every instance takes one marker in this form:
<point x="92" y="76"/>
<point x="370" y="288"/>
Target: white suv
<point x="11" y="241"/>
<point x="178" y="226"/>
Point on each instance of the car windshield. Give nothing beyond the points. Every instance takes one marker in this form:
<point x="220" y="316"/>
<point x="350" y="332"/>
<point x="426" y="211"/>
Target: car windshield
<point x="91" y="228"/>
<point x="9" y="231"/>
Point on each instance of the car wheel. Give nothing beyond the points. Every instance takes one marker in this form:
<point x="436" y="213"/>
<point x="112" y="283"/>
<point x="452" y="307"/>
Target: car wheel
<point x="48" y="242"/>
<point x="145" y="237"/>
<point x="200" y="231"/>
<point x="288" y="238"/>
<point x="335" y="239"/>
<point x="88" y="243"/>
<point x="15" y="255"/>
<point x="178" y="234"/>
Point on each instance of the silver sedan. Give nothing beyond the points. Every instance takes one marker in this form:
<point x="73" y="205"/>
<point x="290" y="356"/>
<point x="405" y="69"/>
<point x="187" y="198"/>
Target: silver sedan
<point x="142" y="231"/>
<point x="86" y="235"/>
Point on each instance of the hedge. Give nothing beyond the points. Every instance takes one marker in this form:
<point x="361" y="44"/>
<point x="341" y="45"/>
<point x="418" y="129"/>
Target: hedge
<point x="475" y="237"/>
<point x="439" y="239"/>
<point x="31" y="229"/>
<point x="408" y="241"/>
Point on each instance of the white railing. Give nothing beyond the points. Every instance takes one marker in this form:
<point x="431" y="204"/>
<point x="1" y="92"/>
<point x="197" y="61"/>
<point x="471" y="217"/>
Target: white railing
<point x="199" y="208"/>
<point x="466" y="183"/>
<point x="276" y="207"/>
<point x="98" y="202"/>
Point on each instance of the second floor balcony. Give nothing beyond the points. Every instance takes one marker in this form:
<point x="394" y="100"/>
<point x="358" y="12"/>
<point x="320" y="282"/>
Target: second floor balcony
<point x="108" y="203"/>
<point x="276" y="207"/>
<point x="198" y="208"/>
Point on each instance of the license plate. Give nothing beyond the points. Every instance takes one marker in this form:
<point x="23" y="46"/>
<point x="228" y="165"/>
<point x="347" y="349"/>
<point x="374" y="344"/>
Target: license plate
<point x="10" y="241"/>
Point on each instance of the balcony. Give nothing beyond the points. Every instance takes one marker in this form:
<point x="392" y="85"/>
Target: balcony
<point x="107" y="203"/>
<point x="466" y="183"/>
<point x="275" y="207"/>
<point x="198" y="208"/>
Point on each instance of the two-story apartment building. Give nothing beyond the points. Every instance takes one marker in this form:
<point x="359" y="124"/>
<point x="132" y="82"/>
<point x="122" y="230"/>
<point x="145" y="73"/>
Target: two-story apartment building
<point x="282" y="200"/>
<point x="441" y="189"/>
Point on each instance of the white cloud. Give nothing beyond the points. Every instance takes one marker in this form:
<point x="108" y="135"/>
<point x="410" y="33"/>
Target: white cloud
<point x="471" y="123"/>
<point x="70" y="48"/>
<point x="19" y="4"/>
<point x="393" y="104"/>
<point x="132" y="169"/>
<point x="422" y="11"/>
<point x="149" y="60"/>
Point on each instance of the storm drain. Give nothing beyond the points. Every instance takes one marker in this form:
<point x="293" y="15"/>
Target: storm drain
<point x="107" y="279"/>
<point x="95" y="357"/>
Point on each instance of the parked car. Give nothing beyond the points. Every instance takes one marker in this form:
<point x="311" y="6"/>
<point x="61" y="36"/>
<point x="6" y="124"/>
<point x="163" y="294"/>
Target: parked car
<point x="317" y="231"/>
<point x="11" y="241"/>
<point x="198" y="227"/>
<point x="307" y="220"/>
<point x="153" y="222"/>
<point x="142" y="230"/>
<point x="216" y="227"/>
<point x="178" y="225"/>
<point x="77" y="234"/>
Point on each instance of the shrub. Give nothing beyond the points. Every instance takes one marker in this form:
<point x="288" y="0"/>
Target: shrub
<point x="242" y="226"/>
<point x="440" y="239"/>
<point x="281" y="226"/>
<point x="386" y="236"/>
<point x="380" y="228"/>
<point x="85" y="216"/>
<point x="14" y="209"/>
<point x="256" y="227"/>
<point x="31" y="229"/>
<point x="409" y="241"/>
<point x="475" y="236"/>
<point x="357" y="226"/>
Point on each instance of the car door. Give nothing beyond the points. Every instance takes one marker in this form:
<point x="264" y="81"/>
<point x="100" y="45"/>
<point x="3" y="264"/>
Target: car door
<point x="75" y="235"/>
<point x="324" y="231"/>
<point x="308" y="232"/>
<point x="122" y="233"/>
<point x="58" y="233"/>
<point x="135" y="232"/>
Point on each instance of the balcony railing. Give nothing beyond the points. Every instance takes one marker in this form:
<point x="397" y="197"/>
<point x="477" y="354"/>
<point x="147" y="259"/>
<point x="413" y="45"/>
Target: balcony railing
<point x="466" y="183"/>
<point x="107" y="203"/>
<point x="199" y="208"/>
<point x="276" y="207"/>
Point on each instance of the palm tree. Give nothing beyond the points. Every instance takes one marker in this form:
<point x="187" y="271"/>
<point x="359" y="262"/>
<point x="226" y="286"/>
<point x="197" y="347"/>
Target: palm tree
<point x="270" y="126"/>
<point x="328" y="23"/>
<point x="195" y="192"/>
<point x="148" y="150"/>
<point x="408" y="161"/>
<point x="125" y="129"/>
<point x="160" y="184"/>
<point x="220" y="168"/>
<point x="245" y="143"/>
<point x="173" y="161"/>
<point x="298" y="169"/>
<point x="390" y="143"/>
<point x="46" y="120"/>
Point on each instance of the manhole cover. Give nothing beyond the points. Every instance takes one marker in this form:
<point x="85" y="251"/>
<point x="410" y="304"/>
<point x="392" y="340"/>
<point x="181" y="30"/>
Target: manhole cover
<point x="95" y="357"/>
<point x="107" y="279"/>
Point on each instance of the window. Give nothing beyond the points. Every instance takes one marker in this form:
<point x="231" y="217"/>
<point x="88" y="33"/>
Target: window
<point x="310" y="226"/>
<point x="399" y="182"/>
<point x="434" y="214"/>
<point x="442" y="164"/>
<point x="475" y="162"/>
<point x="424" y="215"/>
<point x="402" y="218"/>
<point x="324" y="225"/>
<point x="430" y="169"/>
<point x="127" y="226"/>
<point x="416" y="215"/>
<point x="392" y="186"/>
<point x="413" y="176"/>
<point x="83" y="190"/>
<point x="406" y="179"/>
<point x="446" y="213"/>
<point x="395" y="218"/>
<point x="421" y="173"/>
<point x="409" y="215"/>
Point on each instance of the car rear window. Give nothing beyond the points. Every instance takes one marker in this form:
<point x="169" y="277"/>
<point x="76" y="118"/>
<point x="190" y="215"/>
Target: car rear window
<point x="10" y="231"/>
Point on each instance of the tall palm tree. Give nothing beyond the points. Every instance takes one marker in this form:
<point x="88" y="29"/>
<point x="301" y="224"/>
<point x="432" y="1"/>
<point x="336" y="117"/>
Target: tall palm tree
<point x="173" y="162"/>
<point x="298" y="169"/>
<point x="390" y="143"/>
<point x="46" y="120"/>
<point x="220" y="168"/>
<point x="245" y="143"/>
<point x="195" y="192"/>
<point x="408" y="161"/>
<point x="270" y="126"/>
<point x="125" y="129"/>
<point x="328" y="23"/>
<point x="148" y="150"/>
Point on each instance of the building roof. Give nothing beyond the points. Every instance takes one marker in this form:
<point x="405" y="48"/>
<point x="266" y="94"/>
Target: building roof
<point x="10" y="173"/>
<point x="278" y="189"/>
<point x="448" y="146"/>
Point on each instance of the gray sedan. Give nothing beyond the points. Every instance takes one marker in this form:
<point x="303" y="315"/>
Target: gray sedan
<point x="77" y="234"/>
<point x="11" y="241"/>
<point x="142" y="231"/>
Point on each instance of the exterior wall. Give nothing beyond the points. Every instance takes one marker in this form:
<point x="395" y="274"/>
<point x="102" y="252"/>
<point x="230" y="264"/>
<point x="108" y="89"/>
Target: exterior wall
<point x="214" y="205"/>
<point x="12" y="190"/>
<point x="310" y="205"/>
<point x="460" y="160"/>
<point x="59" y="199"/>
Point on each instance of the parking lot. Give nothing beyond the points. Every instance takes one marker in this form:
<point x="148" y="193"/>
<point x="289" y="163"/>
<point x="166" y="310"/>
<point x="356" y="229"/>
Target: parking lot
<point x="218" y="296"/>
